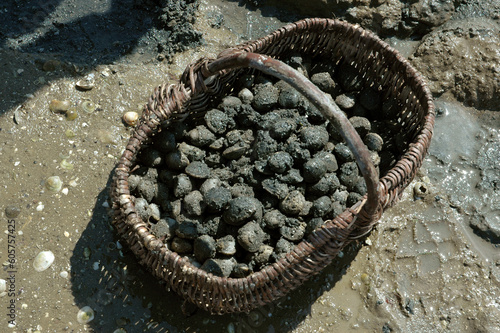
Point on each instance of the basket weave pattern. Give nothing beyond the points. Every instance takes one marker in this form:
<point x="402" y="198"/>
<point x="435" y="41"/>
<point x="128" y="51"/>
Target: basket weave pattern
<point x="327" y="41"/>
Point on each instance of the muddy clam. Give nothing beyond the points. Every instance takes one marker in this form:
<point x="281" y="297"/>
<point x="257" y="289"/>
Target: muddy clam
<point x="71" y="114"/>
<point x="53" y="184"/>
<point x="43" y="261"/>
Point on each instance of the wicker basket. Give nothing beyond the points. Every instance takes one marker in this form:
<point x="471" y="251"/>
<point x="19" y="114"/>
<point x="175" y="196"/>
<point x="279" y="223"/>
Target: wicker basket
<point x="326" y="41"/>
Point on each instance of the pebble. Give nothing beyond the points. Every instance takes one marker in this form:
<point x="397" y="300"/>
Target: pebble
<point x="209" y="184"/>
<point x="201" y="136"/>
<point x="191" y="152"/>
<point x="241" y="270"/>
<point x="282" y="247"/>
<point x="243" y="209"/>
<point x="261" y="257"/>
<point x="348" y="174"/>
<point x="204" y="248"/>
<point x="280" y="162"/>
<point x="321" y="206"/>
<point x="275" y="188"/>
<point x="217" y="198"/>
<point x="288" y="96"/>
<point x="226" y="245"/>
<point x="374" y="142"/>
<point x="328" y="184"/>
<point x="219" y="267"/>
<point x="314" y="170"/>
<point x="182" y="185"/>
<point x="265" y="97"/>
<point x="193" y="203"/>
<point x="314" y="137"/>
<point x="217" y="121"/>
<point x="198" y="170"/>
<point x="164" y="228"/>
<point x="12" y="211"/>
<point x="251" y="236"/>
<point x="324" y="82"/>
<point x="293" y="204"/>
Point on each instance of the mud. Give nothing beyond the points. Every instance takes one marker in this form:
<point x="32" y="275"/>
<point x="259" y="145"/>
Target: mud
<point x="431" y="265"/>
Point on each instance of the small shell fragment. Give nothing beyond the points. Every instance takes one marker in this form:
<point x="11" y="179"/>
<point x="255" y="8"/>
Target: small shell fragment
<point x="71" y="114"/>
<point x="43" y="260"/>
<point x="130" y="118"/>
<point x="58" y="106"/>
<point x="86" y="83"/>
<point x="85" y="315"/>
<point x="88" y="106"/>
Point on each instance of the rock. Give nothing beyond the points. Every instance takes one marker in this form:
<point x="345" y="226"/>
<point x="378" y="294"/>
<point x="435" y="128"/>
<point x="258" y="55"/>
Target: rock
<point x="274" y="219"/>
<point x="280" y="162"/>
<point x="241" y="190"/>
<point x="374" y="142"/>
<point x="343" y="153"/>
<point x="264" y="145"/>
<point x="198" y="170"/>
<point x="261" y="257"/>
<point x="348" y="174"/>
<point x="226" y="245"/>
<point x="181" y="245"/>
<point x="209" y="184"/>
<point x="230" y="102"/>
<point x="314" y="224"/>
<point x="236" y="151"/>
<point x="204" y="248"/>
<point x="193" y="203"/>
<point x="217" y="121"/>
<point x="328" y="184"/>
<point x="151" y="158"/>
<point x="217" y="198"/>
<point x="265" y="97"/>
<point x="147" y="189"/>
<point x="12" y="211"/>
<point x="251" y="236"/>
<point x="292" y="177"/>
<point x="142" y="208"/>
<point x="241" y="270"/>
<point x="243" y="209"/>
<point x="201" y="136"/>
<point x="293" y="230"/>
<point x="314" y="169"/>
<point x="182" y="185"/>
<point x="282" y="247"/>
<point x="324" y="82"/>
<point x="219" y="267"/>
<point x="314" y="137"/>
<point x="299" y="154"/>
<point x="329" y="159"/>
<point x="293" y="204"/>
<point x="460" y="49"/>
<point x="288" y="96"/>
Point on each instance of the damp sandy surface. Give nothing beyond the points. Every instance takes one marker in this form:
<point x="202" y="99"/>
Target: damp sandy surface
<point x="423" y="269"/>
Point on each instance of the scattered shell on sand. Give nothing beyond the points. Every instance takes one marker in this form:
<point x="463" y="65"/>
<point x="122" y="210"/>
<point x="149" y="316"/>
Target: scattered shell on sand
<point x="53" y="184"/>
<point x="86" y="83"/>
<point x="130" y="118"/>
<point x="43" y="260"/>
<point x="88" y="106"/>
<point x="85" y="315"/>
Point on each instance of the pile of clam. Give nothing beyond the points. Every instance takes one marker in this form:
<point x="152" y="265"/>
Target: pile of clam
<point x="238" y="188"/>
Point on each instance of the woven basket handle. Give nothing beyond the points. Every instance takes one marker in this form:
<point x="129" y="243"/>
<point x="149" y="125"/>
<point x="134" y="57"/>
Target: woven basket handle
<point x="327" y="107"/>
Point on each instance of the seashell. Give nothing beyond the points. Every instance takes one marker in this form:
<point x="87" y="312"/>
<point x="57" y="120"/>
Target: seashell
<point x="69" y="134"/>
<point x="120" y="330"/>
<point x="130" y="118"/>
<point x="88" y="106"/>
<point x="85" y="315"/>
<point x="71" y="115"/>
<point x="66" y="165"/>
<point x="53" y="184"/>
<point x="86" y="83"/>
<point x="3" y="285"/>
<point x="58" y="106"/>
<point x="43" y="260"/>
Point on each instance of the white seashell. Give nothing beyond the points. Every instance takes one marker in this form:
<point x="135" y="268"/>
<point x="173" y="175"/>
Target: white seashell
<point x="3" y="285"/>
<point x="86" y="83"/>
<point x="43" y="260"/>
<point x="53" y="184"/>
<point x="85" y="315"/>
<point x="130" y="118"/>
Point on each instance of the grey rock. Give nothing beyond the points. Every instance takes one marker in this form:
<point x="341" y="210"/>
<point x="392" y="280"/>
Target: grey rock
<point x="217" y="121"/>
<point x="193" y="203"/>
<point x="264" y="145"/>
<point x="251" y="236"/>
<point x="345" y="101"/>
<point x="314" y="224"/>
<point x="201" y="136"/>
<point x="204" y="248"/>
<point x="293" y="204"/>
<point x="241" y="270"/>
<point x="217" y="198"/>
<point x="321" y="206"/>
<point x="151" y="157"/>
<point x="261" y="258"/>
<point x="147" y="189"/>
<point x="246" y="96"/>
<point x="181" y="245"/>
<point x="282" y="247"/>
<point x="236" y="151"/>
<point x="198" y="170"/>
<point x="314" y="170"/>
<point x="226" y="245"/>
<point x="230" y="102"/>
<point x="329" y="159"/>
<point x="288" y="96"/>
<point x="353" y="198"/>
<point x="243" y="209"/>
<point x="187" y="229"/>
<point x="282" y="128"/>
<point x="164" y="228"/>
<point x="328" y="184"/>
<point x="292" y="177"/>
<point x="300" y="155"/>
<point x="314" y="137"/>
<point x="209" y="184"/>
<point x="343" y="153"/>
<point x="361" y="125"/>
<point x="348" y="174"/>
<point x="142" y="208"/>
<point x="182" y="185"/>
<point x="192" y="153"/>
<point x="241" y="190"/>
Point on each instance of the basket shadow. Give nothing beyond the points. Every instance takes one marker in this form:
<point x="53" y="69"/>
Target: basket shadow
<point x="123" y="294"/>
